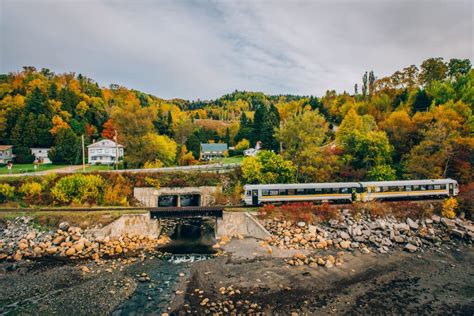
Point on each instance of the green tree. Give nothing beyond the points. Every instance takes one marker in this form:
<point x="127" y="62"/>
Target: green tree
<point x="382" y="173"/>
<point x="266" y="120"/>
<point x="268" y="167"/>
<point x="66" y="149"/>
<point x="458" y="67"/>
<point x="36" y="102"/>
<point x="433" y="69"/>
<point x="156" y="147"/>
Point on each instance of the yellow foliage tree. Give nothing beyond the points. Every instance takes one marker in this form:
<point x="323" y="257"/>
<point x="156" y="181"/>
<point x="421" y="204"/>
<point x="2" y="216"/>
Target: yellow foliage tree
<point x="449" y="207"/>
<point x="58" y="123"/>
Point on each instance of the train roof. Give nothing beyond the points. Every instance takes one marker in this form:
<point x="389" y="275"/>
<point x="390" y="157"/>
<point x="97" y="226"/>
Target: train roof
<point x="301" y="185"/>
<point x="407" y="182"/>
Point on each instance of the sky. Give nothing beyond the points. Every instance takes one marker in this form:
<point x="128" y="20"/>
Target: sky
<point x="204" y="49"/>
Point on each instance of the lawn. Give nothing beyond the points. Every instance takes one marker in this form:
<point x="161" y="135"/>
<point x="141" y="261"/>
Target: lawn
<point x="91" y="168"/>
<point x="29" y="167"/>
<point x="235" y="159"/>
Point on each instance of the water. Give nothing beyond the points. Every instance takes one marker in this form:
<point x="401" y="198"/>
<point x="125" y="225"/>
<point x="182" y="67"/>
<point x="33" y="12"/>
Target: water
<point x="191" y="241"/>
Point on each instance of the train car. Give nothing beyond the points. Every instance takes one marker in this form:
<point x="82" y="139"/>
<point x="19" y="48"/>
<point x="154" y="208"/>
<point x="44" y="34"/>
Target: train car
<point x="408" y="189"/>
<point x="256" y="194"/>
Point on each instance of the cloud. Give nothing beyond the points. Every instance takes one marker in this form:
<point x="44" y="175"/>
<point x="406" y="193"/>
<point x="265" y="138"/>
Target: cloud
<point x="197" y="49"/>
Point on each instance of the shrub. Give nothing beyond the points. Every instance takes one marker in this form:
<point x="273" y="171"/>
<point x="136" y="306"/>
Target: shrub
<point x="7" y="192"/>
<point x="118" y="192"/>
<point x="31" y="192"/>
<point x="79" y="188"/>
<point x="449" y="207"/>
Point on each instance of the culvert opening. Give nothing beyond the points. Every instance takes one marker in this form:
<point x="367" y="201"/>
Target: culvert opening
<point x="189" y="236"/>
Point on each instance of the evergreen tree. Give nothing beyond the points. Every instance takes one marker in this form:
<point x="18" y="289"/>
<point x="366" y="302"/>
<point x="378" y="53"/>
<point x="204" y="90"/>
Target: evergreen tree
<point x="35" y="103"/>
<point x="371" y="83"/>
<point x="364" y="86"/>
<point x="30" y="131"/>
<point x="227" y="136"/>
<point x="44" y="137"/>
<point x="266" y="121"/>
<point x="53" y="91"/>
<point x="422" y="101"/>
<point x="66" y="149"/>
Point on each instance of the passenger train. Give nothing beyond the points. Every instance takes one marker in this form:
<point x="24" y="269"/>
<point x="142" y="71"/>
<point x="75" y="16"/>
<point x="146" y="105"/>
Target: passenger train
<point x="347" y="192"/>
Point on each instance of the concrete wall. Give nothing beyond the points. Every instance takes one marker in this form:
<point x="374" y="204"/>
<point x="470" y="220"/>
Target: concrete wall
<point x="240" y="223"/>
<point x="133" y="224"/>
<point x="149" y="196"/>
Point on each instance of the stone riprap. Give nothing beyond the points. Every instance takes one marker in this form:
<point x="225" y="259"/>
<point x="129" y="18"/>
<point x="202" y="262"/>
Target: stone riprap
<point x="20" y="239"/>
<point x="368" y="235"/>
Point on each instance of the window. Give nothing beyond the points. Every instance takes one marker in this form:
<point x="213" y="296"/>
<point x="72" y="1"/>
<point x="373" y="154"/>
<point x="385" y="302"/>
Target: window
<point x="265" y="192"/>
<point x="443" y="187"/>
<point x="273" y="192"/>
<point x="291" y="191"/>
<point x="423" y="187"/>
<point x="282" y="192"/>
<point x="309" y="191"/>
<point x="437" y="187"/>
<point x="430" y="187"/>
<point x="415" y="188"/>
<point x="377" y="189"/>
<point x="344" y="190"/>
<point x="300" y="191"/>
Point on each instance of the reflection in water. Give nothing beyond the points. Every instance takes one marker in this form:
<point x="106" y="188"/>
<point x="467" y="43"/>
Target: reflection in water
<point x="191" y="236"/>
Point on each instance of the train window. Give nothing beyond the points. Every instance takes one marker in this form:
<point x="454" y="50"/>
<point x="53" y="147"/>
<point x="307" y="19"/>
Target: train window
<point x="408" y="188"/>
<point x="282" y="192"/>
<point x="416" y="188"/>
<point x="437" y="187"/>
<point x="401" y="188"/>
<point x="300" y="191"/>
<point x="443" y="187"/>
<point x="325" y="191"/>
<point x="291" y="191"/>
<point x="309" y="191"/>
<point x="377" y="189"/>
<point x="393" y="189"/>
<point x="265" y="192"/>
<point x="274" y="192"/>
<point x="423" y="187"/>
<point x="248" y="193"/>
<point x="344" y="190"/>
<point x="318" y="190"/>
<point x="430" y="187"/>
<point x="385" y="189"/>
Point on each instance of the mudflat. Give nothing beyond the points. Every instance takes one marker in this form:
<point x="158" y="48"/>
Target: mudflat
<point x="251" y="281"/>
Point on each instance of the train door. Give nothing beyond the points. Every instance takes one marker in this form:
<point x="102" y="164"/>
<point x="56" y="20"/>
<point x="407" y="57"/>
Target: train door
<point x="451" y="189"/>
<point x="255" y="197"/>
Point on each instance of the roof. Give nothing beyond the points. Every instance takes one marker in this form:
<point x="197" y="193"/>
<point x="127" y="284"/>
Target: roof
<point x="408" y="182"/>
<point x="213" y="147"/>
<point x="301" y="185"/>
<point x="104" y="143"/>
<point x="5" y="147"/>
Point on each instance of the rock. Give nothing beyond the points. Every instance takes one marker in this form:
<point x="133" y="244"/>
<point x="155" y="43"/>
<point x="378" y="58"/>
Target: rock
<point x="402" y="227"/>
<point x="64" y="226"/>
<point x="299" y="256"/>
<point x="70" y="252"/>
<point x="181" y="274"/>
<point x="312" y="229"/>
<point x="345" y="244"/>
<point x="51" y="250"/>
<point x="78" y="247"/>
<point x="204" y="301"/>
<point x="428" y="221"/>
<point x="447" y="222"/>
<point x="398" y="239"/>
<point x="58" y="240"/>
<point x="411" y="248"/>
<point x="321" y="262"/>
<point x="329" y="264"/>
<point x="22" y="246"/>
<point x="412" y="223"/>
<point x="85" y="269"/>
<point x="457" y="233"/>
<point x="344" y="235"/>
<point x="436" y="218"/>
<point x="301" y="224"/>
<point x="18" y="256"/>
<point x="31" y="235"/>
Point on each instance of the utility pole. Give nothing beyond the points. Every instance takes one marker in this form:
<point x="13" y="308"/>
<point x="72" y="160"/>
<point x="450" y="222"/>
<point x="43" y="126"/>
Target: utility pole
<point x="116" y="149"/>
<point x="83" y="155"/>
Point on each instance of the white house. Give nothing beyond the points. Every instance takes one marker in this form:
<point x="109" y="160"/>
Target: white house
<point x="104" y="152"/>
<point x="6" y="153"/>
<point x="253" y="151"/>
<point x="41" y="154"/>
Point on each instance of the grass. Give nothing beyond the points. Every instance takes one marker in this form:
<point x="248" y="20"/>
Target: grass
<point x="235" y="159"/>
<point x="91" y="168"/>
<point x="29" y="167"/>
<point x="51" y="219"/>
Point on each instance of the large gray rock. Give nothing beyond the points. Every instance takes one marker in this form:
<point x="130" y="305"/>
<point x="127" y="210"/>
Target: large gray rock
<point x="411" y="248"/>
<point x="412" y="223"/>
<point x="344" y="235"/>
<point x="402" y="227"/>
<point x="436" y="219"/>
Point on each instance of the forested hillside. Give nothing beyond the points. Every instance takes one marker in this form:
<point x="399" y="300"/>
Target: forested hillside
<point x="416" y="123"/>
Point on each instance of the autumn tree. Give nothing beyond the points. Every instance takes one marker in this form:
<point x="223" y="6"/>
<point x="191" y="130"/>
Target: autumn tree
<point x="108" y="129"/>
<point x="267" y="167"/>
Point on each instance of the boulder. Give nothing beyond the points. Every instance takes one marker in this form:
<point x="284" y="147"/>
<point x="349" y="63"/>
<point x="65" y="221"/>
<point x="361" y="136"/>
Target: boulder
<point x="344" y="235"/>
<point x="345" y="244"/>
<point x="436" y="219"/>
<point x="301" y="224"/>
<point x="51" y="250"/>
<point x="412" y="223"/>
<point x="411" y="248"/>
<point x="457" y="233"/>
<point x="70" y="252"/>
<point x="312" y="229"/>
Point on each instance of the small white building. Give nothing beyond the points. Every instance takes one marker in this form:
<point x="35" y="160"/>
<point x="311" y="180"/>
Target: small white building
<point x="6" y="153"/>
<point x="104" y="152"/>
<point x="41" y="154"/>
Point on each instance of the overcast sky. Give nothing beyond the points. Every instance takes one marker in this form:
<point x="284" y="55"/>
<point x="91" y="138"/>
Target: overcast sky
<point x="204" y="49"/>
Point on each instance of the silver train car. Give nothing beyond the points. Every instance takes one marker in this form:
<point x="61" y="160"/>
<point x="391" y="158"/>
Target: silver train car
<point x="346" y="192"/>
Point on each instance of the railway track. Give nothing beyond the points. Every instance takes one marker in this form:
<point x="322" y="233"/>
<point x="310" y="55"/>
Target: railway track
<point x="170" y="209"/>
